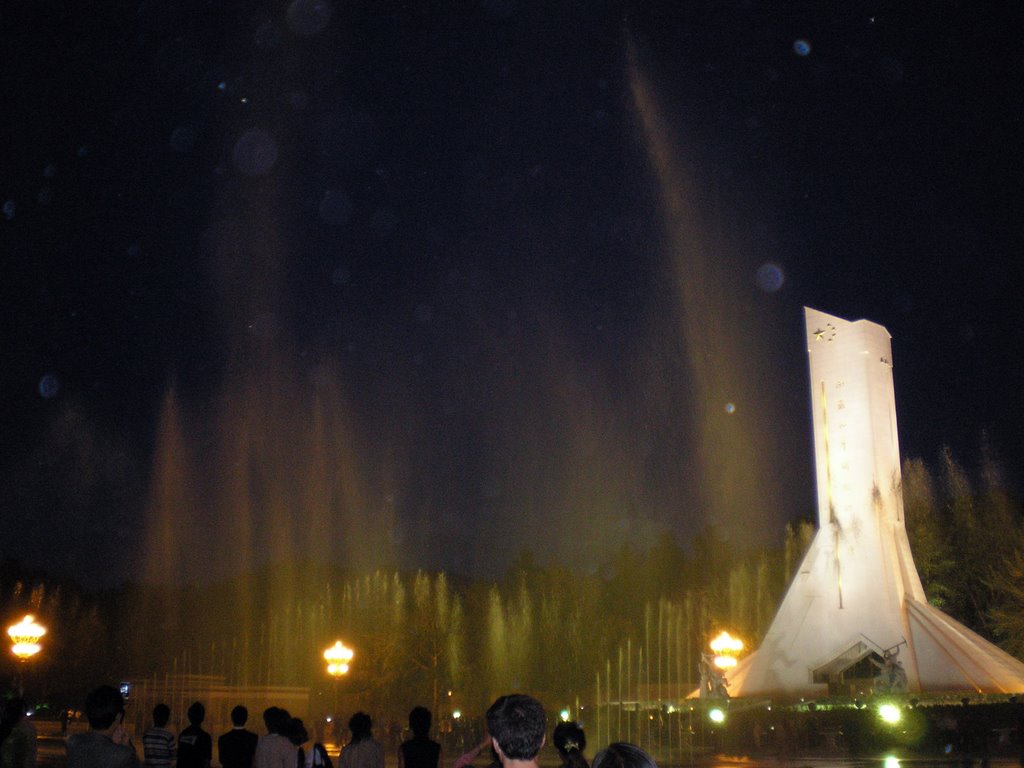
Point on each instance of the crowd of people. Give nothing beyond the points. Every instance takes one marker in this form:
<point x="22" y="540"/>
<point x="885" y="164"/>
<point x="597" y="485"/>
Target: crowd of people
<point x="516" y="732"/>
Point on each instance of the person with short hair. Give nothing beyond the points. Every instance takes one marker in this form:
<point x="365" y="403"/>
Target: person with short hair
<point x="26" y="729"/>
<point x="158" y="743"/>
<point x="311" y="753"/>
<point x="362" y="750"/>
<point x="622" y="754"/>
<point x="195" y="746"/>
<point x="237" y="747"/>
<point x="14" y="742"/>
<point x="275" y="749"/>
<point x="420" y="751"/>
<point x="106" y="744"/>
<point x="517" y="724"/>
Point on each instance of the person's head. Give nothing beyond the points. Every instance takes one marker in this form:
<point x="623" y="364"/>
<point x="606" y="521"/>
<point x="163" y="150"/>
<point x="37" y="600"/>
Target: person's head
<point x="361" y="726"/>
<point x="623" y="755"/>
<point x="103" y="706"/>
<point x="269" y="718"/>
<point x="239" y="716"/>
<point x="419" y="721"/>
<point x="196" y="713"/>
<point x="161" y="714"/>
<point x="297" y="733"/>
<point x="517" y="724"/>
<point x="569" y="738"/>
<point x="276" y="720"/>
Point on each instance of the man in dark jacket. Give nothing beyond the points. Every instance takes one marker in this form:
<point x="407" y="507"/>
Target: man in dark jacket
<point x="195" y="747"/>
<point x="237" y="747"/>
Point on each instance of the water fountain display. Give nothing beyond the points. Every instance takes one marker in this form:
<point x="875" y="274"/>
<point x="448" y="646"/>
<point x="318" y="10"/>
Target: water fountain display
<point x="289" y="509"/>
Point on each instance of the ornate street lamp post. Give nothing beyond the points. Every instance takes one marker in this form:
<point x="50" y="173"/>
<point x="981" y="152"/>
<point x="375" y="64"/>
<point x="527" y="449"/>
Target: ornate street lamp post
<point x="25" y="637"/>
<point x="338" y="657"/>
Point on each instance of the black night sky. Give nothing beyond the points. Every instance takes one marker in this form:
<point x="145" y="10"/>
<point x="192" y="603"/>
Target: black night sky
<point x="425" y="251"/>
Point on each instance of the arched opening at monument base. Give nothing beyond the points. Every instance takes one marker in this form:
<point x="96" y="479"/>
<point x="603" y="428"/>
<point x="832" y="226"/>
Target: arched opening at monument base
<point x="860" y="670"/>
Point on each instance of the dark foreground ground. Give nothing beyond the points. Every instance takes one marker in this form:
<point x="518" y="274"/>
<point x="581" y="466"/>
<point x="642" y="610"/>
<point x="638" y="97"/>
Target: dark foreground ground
<point x="52" y="755"/>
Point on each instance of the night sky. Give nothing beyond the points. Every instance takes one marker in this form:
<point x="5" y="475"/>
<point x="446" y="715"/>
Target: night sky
<point x="430" y="284"/>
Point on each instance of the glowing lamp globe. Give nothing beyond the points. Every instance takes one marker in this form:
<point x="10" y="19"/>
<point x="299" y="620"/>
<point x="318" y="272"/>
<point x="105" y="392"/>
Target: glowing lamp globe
<point x="338" y="657"/>
<point x="725" y="647"/>
<point x="25" y="637"/>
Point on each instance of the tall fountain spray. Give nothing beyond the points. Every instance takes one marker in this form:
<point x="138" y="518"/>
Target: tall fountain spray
<point x="732" y="416"/>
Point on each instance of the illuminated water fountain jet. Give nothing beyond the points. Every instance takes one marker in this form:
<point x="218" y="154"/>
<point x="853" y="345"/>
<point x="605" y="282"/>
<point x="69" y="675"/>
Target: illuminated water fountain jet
<point x="732" y="416"/>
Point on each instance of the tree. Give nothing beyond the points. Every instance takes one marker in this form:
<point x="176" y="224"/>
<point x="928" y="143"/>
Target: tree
<point x="927" y="533"/>
<point x="987" y="530"/>
<point x="1006" y="616"/>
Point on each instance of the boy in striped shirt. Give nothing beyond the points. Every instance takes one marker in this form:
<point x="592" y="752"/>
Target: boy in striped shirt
<point x="158" y="742"/>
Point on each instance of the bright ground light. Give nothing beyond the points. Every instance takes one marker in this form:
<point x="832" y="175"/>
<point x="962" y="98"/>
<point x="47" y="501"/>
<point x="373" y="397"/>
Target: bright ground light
<point x="890" y="713"/>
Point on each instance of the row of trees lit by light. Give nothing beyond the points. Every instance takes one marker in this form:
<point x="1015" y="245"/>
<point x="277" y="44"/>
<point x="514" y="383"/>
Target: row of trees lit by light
<point x="417" y="635"/>
<point x="966" y="531"/>
<point x="562" y="633"/>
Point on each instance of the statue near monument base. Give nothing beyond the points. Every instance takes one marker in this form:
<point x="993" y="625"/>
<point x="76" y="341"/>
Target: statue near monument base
<point x="713" y="684"/>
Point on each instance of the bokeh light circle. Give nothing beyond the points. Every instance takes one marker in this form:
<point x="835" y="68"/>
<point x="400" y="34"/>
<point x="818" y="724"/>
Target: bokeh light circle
<point x="183" y="138"/>
<point x="49" y="386"/>
<point x="309" y="17"/>
<point x="255" y="152"/>
<point x="335" y="207"/>
<point x="770" y="277"/>
<point x="341" y="276"/>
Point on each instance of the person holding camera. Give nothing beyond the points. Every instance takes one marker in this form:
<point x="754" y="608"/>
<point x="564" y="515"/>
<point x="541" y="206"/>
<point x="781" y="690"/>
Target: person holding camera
<point x="106" y="744"/>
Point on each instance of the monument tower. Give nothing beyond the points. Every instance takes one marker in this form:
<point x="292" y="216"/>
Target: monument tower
<point x="855" y="616"/>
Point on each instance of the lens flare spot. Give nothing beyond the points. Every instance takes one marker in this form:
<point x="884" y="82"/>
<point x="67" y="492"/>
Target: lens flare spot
<point x="730" y="408"/>
<point x="335" y="207"/>
<point x="183" y="138"/>
<point x="309" y="17"/>
<point x="255" y="152"/>
<point x="341" y="276"/>
<point x="49" y="386"/>
<point x="770" y="277"/>
<point x="801" y="47"/>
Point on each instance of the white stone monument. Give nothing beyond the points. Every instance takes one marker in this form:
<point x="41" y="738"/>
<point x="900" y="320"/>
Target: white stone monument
<point x="855" y="619"/>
